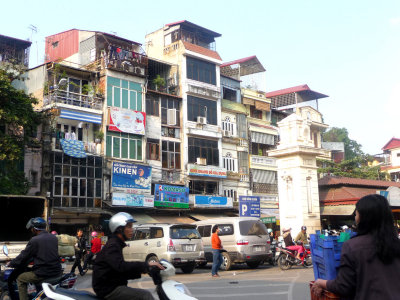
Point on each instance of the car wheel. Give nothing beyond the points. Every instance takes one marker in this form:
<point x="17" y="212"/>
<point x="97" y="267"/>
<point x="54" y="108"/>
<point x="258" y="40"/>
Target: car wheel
<point x="253" y="264"/>
<point x="226" y="261"/>
<point x="152" y="258"/>
<point x="187" y="269"/>
<point x="283" y="262"/>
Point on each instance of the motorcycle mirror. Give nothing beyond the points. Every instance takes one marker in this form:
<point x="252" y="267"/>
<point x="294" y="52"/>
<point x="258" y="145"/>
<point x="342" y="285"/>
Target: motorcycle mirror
<point x="5" y="250"/>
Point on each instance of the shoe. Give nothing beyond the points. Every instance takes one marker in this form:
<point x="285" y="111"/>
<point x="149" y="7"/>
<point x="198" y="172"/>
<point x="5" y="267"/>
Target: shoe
<point x="83" y="272"/>
<point x="215" y="275"/>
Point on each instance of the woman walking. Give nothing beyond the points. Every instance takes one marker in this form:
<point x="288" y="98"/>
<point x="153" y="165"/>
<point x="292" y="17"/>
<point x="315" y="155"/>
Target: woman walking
<point x="216" y="250"/>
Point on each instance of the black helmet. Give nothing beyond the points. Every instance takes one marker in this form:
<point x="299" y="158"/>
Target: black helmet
<point x="37" y="223"/>
<point x="303" y="228"/>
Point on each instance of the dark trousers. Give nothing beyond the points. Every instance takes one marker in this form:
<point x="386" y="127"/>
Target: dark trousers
<point x="77" y="263"/>
<point x="126" y="293"/>
<point x="87" y="260"/>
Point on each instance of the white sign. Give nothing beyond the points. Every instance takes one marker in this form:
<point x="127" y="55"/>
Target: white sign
<point x="127" y="120"/>
<point x="122" y="199"/>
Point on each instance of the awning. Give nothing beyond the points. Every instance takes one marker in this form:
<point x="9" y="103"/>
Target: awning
<point x="73" y="148"/>
<point x="143" y="218"/>
<point x="263" y="106"/>
<point x="173" y="219"/>
<point x="262" y="138"/>
<point x="264" y="176"/>
<point x="80" y="116"/>
<point x="337" y="210"/>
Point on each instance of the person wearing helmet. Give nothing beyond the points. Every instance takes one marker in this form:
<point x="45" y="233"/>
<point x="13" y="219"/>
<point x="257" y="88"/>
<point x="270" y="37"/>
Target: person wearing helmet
<point x="271" y="234"/>
<point x="95" y="248"/>
<point x="42" y="249"/>
<point x="287" y="238"/>
<point x="111" y="272"/>
<point x="302" y="235"/>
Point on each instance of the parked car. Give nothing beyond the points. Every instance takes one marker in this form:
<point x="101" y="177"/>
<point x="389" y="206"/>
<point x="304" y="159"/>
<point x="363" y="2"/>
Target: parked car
<point x="180" y="244"/>
<point x="244" y="240"/>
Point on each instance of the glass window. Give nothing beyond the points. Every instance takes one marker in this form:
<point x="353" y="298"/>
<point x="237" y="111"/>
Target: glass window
<point x="169" y="103"/>
<point x="130" y="146"/>
<point x="225" y="229"/>
<point x="252" y="228"/>
<point x="153" y="149"/>
<point x="204" y="149"/>
<point x="198" y="107"/>
<point x="141" y="234"/>
<point x="205" y="231"/>
<point x="156" y="232"/>
<point x="255" y="113"/>
<point x="184" y="232"/>
<point x="152" y="106"/>
<point x="124" y="94"/>
<point x="200" y="70"/>
<point x="171" y="155"/>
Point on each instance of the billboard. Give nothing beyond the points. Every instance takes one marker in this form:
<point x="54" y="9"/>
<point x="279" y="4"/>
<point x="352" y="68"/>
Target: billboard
<point x="206" y="171"/>
<point x="171" y="196"/>
<point x="123" y="199"/>
<point x="249" y="206"/>
<point x="127" y="120"/>
<point x="131" y="178"/>
<point x="212" y="201"/>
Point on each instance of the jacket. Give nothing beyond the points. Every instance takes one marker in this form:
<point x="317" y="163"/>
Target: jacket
<point x="110" y="270"/>
<point x="96" y="245"/>
<point x="362" y="275"/>
<point x="43" y="250"/>
<point x="301" y="237"/>
<point x="287" y="238"/>
<point x="215" y="241"/>
<point x="80" y="248"/>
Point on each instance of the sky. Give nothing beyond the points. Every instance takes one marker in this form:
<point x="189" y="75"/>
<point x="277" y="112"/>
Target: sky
<point x="348" y="50"/>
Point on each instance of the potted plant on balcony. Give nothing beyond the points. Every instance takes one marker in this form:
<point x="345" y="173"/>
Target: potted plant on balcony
<point x="159" y="82"/>
<point x="98" y="136"/>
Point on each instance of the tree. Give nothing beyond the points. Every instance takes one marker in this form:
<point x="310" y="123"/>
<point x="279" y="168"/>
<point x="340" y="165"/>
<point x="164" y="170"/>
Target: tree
<point x="352" y="149"/>
<point x="18" y="121"/>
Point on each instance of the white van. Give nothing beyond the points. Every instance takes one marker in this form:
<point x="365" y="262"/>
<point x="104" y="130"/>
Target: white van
<point x="244" y="240"/>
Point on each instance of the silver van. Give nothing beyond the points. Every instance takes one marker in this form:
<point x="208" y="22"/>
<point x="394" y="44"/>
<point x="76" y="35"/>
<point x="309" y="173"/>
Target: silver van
<point x="180" y="244"/>
<point x="244" y="240"/>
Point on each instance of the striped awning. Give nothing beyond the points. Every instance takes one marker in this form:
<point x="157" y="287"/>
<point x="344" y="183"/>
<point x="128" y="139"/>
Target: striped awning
<point x="262" y="138"/>
<point x="73" y="148"/>
<point x="80" y="116"/>
<point x="264" y="176"/>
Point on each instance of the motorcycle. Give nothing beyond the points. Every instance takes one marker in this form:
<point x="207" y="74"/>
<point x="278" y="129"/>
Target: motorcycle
<point x="275" y="250"/>
<point x="166" y="289"/>
<point x="287" y="258"/>
<point x="9" y="288"/>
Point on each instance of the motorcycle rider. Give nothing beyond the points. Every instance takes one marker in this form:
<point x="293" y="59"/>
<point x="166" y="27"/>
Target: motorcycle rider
<point x="111" y="272"/>
<point x="287" y="238"/>
<point x="43" y="250"/>
<point x="302" y="236"/>
<point x="271" y="235"/>
<point x="94" y="249"/>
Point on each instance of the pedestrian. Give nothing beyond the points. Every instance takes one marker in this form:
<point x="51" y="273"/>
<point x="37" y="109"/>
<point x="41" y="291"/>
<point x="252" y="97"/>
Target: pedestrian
<point x="302" y="235"/>
<point x="216" y="250"/>
<point x="80" y="249"/>
<point x="95" y="248"/>
<point x="370" y="262"/>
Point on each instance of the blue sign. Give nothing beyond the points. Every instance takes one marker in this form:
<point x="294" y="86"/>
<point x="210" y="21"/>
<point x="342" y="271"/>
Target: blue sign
<point x="131" y="176"/>
<point x="212" y="201"/>
<point x="249" y="206"/>
<point x="171" y="196"/>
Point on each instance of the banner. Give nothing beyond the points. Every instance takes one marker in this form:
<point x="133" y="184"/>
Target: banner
<point x="127" y="176"/>
<point x="212" y="201"/>
<point x="171" y="196"/>
<point x="249" y="206"/>
<point x="127" y="120"/>
<point x="123" y="199"/>
<point x="207" y="171"/>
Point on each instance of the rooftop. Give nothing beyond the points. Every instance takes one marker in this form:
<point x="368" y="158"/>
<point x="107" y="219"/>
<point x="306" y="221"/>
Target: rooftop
<point x="201" y="50"/>
<point x="12" y="40"/>
<point x="393" y="143"/>
<point x="248" y="65"/>
<point x="194" y="26"/>
<point x="347" y="181"/>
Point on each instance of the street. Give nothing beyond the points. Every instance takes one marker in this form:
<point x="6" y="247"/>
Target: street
<point x="265" y="282"/>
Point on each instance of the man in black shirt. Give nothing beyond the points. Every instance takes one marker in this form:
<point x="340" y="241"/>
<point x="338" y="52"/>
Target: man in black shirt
<point x="43" y="250"/>
<point x="111" y="272"/>
<point x="80" y="249"/>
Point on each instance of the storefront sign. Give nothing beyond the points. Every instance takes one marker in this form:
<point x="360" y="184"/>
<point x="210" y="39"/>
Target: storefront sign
<point x="131" y="176"/>
<point x="249" y="206"/>
<point x="212" y="201"/>
<point x="171" y="196"/>
<point x="127" y="120"/>
<point x="123" y="199"/>
<point x="207" y="171"/>
<point x="268" y="220"/>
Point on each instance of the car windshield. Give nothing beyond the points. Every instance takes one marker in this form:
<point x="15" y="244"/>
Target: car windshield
<point x="184" y="233"/>
<point x="252" y="228"/>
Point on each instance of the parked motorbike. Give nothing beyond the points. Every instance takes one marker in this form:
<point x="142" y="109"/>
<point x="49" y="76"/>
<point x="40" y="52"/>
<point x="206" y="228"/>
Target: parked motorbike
<point x="275" y="250"/>
<point x="287" y="258"/>
<point x="166" y="289"/>
<point x="9" y="288"/>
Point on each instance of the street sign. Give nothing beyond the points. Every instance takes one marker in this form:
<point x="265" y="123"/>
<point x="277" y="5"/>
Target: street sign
<point x="268" y="220"/>
<point x="249" y="206"/>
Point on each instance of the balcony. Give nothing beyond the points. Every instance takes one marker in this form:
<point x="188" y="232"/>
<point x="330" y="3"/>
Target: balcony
<point x="58" y="97"/>
<point x="267" y="188"/>
<point x="202" y="89"/>
<point x="257" y="161"/>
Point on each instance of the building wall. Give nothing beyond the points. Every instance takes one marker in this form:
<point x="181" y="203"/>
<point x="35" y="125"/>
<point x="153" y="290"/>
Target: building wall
<point x="62" y="45"/>
<point x="395" y="156"/>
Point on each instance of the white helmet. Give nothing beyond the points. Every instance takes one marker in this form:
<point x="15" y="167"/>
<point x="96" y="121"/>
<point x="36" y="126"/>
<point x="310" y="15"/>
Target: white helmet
<point x="120" y="219"/>
<point x="269" y="230"/>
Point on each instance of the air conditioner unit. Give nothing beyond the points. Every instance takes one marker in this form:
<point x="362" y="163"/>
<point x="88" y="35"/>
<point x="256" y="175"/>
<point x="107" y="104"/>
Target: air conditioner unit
<point x="171" y="116"/>
<point x="202" y="120"/>
<point x="226" y="133"/>
<point x="201" y="161"/>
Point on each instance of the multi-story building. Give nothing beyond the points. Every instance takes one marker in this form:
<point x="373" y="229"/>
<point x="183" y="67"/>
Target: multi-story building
<point x="391" y="159"/>
<point x="14" y="51"/>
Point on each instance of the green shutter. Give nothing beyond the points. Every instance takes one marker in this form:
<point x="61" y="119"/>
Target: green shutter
<point x="116" y="149"/>
<point x="117" y="97"/>
<point x="124" y="148"/>
<point x="139" y="101"/>
<point x="124" y="84"/>
<point x="139" y="149"/>
<point x="108" y="146"/>
<point x="132" y="149"/>
<point x="133" y="100"/>
<point x="113" y="81"/>
<point x="125" y="98"/>
<point x="109" y="95"/>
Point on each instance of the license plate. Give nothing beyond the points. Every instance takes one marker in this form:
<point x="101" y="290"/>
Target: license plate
<point x="259" y="248"/>
<point x="189" y="248"/>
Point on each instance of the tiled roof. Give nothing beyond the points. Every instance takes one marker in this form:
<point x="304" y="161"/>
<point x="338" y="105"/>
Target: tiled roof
<point x="238" y="61"/>
<point x="344" y="195"/>
<point x="201" y="50"/>
<point x="347" y="181"/>
<point x="393" y="143"/>
<point x="294" y="89"/>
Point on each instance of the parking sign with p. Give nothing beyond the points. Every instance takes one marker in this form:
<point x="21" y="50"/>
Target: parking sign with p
<point x="249" y="206"/>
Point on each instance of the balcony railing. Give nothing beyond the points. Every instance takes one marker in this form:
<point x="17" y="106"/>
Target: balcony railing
<point x="268" y="188"/>
<point x="229" y="129"/>
<point x="75" y="99"/>
<point x="263" y="160"/>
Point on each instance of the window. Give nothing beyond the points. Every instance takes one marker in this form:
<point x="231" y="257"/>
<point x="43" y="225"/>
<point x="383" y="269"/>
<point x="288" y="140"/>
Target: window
<point x="198" y="107"/>
<point x="166" y="104"/>
<point x="260" y="149"/>
<point x="153" y="149"/>
<point x="203" y="187"/>
<point x="255" y="113"/>
<point x="398" y="154"/>
<point x="170" y="132"/>
<point x="77" y="181"/>
<point x="205" y="231"/>
<point x="225" y="229"/>
<point x="34" y="178"/>
<point x="152" y="106"/>
<point x="252" y="228"/>
<point x="123" y="145"/>
<point x="204" y="149"/>
<point x="242" y="126"/>
<point x="230" y="163"/>
<point x="200" y="70"/>
<point x="171" y="155"/>
<point x="229" y="94"/>
<point x="243" y="162"/>
<point x="68" y="132"/>
<point x="141" y="234"/>
<point x="156" y="232"/>
<point x="124" y="93"/>
<point x="231" y="193"/>
<point x="184" y="232"/>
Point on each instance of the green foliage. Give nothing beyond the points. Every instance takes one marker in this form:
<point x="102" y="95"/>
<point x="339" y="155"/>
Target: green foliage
<point x="159" y="81"/>
<point x="12" y="180"/>
<point x="352" y="149"/>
